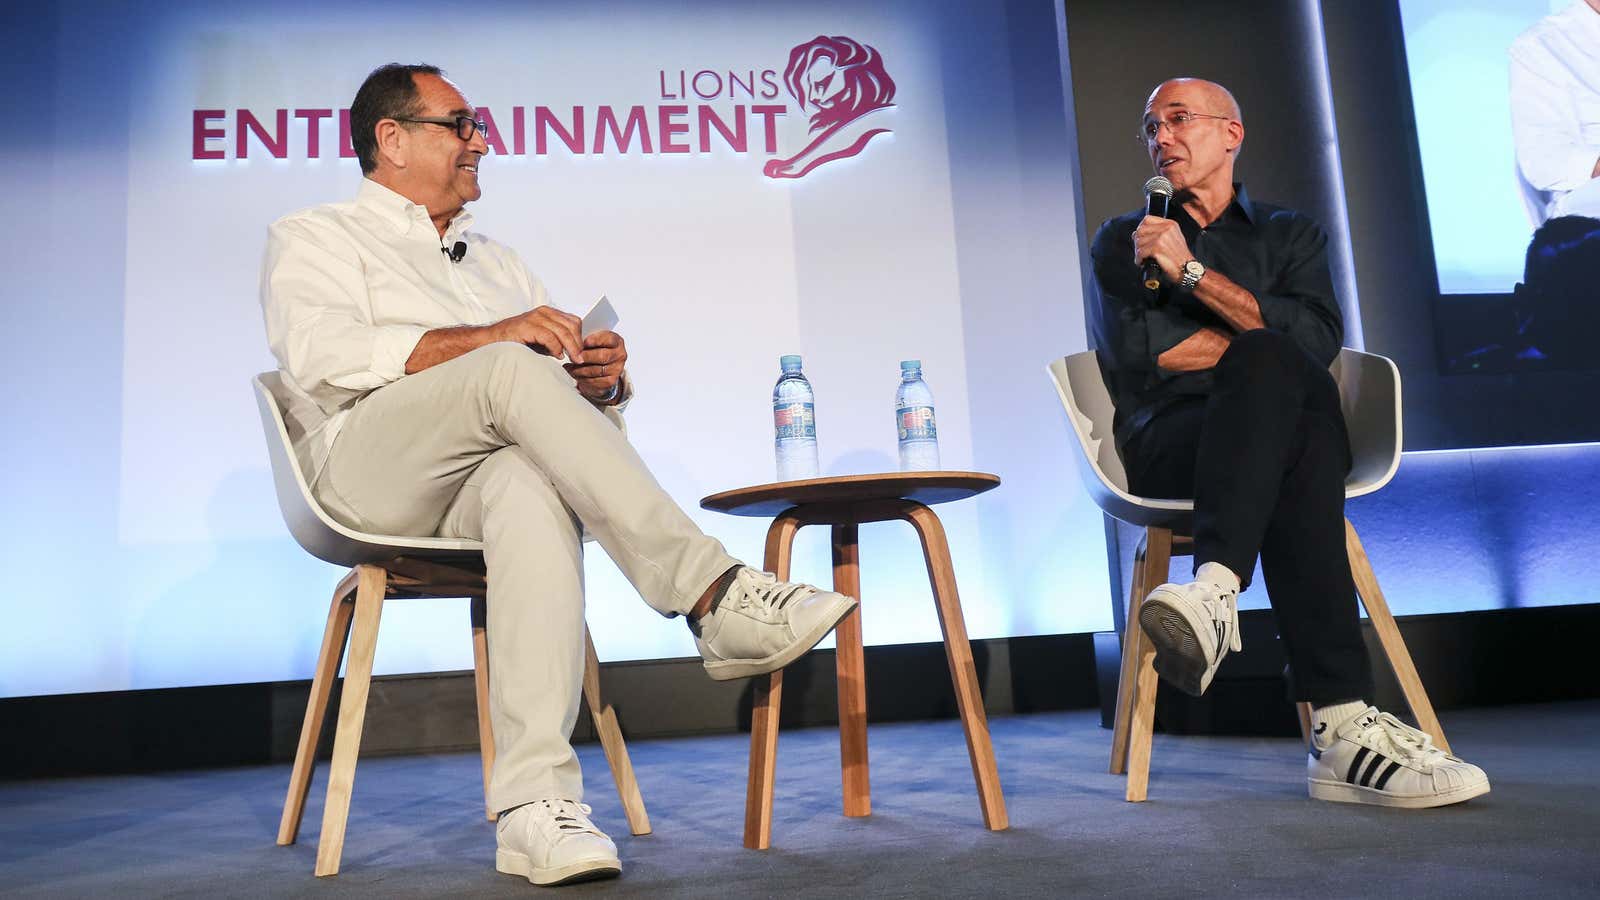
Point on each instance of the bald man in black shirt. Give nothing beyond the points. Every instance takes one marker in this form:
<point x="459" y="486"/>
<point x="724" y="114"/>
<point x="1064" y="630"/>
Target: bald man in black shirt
<point x="1222" y="391"/>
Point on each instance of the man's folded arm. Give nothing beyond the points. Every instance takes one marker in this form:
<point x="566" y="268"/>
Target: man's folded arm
<point x="1301" y="303"/>
<point x="1158" y="341"/>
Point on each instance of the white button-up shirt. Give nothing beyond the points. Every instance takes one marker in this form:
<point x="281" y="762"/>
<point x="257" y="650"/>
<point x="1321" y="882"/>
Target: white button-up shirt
<point x="1555" y="107"/>
<point x="348" y="289"/>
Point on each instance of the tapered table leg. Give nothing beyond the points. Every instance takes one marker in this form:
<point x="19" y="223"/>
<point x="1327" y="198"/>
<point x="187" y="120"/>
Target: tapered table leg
<point x="767" y="706"/>
<point x="850" y="667"/>
<point x="963" y="672"/>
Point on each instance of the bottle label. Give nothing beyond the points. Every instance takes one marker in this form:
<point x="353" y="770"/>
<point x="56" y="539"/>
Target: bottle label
<point x="795" y="421"/>
<point x="916" y="423"/>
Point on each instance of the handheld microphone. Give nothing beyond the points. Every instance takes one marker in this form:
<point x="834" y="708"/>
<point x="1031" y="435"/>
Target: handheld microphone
<point x="455" y="253"/>
<point x="1157" y="196"/>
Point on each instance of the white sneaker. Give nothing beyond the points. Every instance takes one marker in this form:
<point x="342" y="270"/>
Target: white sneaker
<point x="1375" y="758"/>
<point x="553" y="842"/>
<point x="1193" y="626"/>
<point x="761" y="624"/>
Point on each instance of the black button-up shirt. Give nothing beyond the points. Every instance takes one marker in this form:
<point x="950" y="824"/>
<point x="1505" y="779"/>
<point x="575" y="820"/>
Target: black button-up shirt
<point x="1277" y="254"/>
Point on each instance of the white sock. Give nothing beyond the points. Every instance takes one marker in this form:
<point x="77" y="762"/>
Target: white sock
<point x="1325" y="720"/>
<point x="1219" y="575"/>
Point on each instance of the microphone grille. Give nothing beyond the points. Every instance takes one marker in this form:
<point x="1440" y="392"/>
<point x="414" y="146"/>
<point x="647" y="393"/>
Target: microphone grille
<point x="1158" y="185"/>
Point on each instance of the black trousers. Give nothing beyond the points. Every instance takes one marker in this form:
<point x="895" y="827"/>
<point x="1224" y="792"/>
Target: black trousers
<point x="1265" y="456"/>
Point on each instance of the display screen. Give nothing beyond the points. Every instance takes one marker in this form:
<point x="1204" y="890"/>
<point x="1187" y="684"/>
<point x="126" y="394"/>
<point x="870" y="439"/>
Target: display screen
<point x="1507" y="101"/>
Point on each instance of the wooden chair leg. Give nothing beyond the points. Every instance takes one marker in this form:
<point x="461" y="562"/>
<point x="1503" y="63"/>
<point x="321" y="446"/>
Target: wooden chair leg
<point x="1158" y="556"/>
<point x="850" y="668"/>
<point x="768" y="703"/>
<point x="610" y="733"/>
<point x="371" y="582"/>
<point x="964" y="674"/>
<point x="1131" y="636"/>
<point x="480" y="683"/>
<point x="1304" y="711"/>
<point x="1394" y="646"/>
<point x="305" y="755"/>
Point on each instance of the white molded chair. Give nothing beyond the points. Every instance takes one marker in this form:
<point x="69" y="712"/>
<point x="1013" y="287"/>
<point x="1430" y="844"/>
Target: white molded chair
<point x="1369" y="392"/>
<point x="382" y="566"/>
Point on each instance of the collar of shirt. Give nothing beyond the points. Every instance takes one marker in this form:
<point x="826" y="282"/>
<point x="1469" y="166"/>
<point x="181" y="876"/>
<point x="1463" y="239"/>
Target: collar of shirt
<point x="1240" y="211"/>
<point x="405" y="215"/>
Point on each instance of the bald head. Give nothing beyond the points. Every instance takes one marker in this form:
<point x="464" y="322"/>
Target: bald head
<point x="1204" y="96"/>
<point x="1193" y="131"/>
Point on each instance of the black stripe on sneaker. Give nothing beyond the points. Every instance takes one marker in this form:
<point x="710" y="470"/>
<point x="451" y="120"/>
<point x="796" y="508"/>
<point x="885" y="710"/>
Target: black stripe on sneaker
<point x="1378" y="759"/>
<point x="1384" y="778"/>
<point x="1355" y="765"/>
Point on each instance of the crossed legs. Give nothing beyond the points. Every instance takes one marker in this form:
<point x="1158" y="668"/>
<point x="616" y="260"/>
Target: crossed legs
<point x="496" y="445"/>
<point x="1264" y="456"/>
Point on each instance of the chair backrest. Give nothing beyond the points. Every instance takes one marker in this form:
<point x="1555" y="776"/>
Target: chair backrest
<point x="1089" y="414"/>
<point x="1369" y="393"/>
<point x="314" y="529"/>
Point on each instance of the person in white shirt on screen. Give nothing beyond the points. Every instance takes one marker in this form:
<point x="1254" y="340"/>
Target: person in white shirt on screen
<point x="1555" y="112"/>
<point x="441" y="394"/>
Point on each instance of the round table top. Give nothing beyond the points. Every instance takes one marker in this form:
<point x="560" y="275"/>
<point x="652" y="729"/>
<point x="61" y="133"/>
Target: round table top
<point x="927" y="488"/>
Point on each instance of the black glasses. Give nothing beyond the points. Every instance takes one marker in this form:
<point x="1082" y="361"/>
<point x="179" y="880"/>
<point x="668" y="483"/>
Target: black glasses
<point x="1175" y="123"/>
<point x="465" y="126"/>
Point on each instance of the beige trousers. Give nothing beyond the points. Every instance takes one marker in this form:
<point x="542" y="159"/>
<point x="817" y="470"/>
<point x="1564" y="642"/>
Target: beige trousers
<point x="497" y="445"/>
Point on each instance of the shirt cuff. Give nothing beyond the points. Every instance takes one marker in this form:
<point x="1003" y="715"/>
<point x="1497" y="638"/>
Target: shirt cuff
<point x="392" y="346"/>
<point x="1279" y="313"/>
<point x="627" y="394"/>
<point x="1166" y="328"/>
<point x="1581" y="166"/>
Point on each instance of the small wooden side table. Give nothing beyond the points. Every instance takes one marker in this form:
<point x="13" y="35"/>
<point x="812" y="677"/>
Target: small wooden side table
<point x="845" y="502"/>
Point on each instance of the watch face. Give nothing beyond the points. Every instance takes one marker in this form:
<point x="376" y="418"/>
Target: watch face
<point x="1193" y="268"/>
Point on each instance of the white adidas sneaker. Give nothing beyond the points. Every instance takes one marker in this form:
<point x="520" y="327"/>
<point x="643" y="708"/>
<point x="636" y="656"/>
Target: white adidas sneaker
<point x="1193" y="626"/>
<point x="1375" y="758"/>
<point x="761" y="624"/>
<point x="552" y="842"/>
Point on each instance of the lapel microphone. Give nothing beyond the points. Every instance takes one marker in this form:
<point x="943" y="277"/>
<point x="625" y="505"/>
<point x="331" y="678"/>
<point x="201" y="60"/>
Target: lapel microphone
<point x="455" y="253"/>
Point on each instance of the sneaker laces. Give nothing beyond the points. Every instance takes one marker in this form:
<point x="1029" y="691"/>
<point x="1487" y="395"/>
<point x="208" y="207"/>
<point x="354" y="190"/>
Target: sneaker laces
<point x="763" y="593"/>
<point x="1226" y="610"/>
<point x="566" y="817"/>
<point x="1396" y="738"/>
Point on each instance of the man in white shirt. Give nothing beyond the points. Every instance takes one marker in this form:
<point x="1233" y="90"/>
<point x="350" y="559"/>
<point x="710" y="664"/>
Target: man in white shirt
<point x="1555" y="112"/>
<point x="431" y="399"/>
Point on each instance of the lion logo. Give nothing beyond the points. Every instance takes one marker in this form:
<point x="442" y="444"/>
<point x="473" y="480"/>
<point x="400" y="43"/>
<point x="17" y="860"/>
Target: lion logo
<point x="838" y="83"/>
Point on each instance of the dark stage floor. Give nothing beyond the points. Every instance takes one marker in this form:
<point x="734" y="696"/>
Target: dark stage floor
<point x="1227" y="816"/>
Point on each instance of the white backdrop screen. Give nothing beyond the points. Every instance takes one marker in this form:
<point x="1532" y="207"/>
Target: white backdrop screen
<point x="635" y="150"/>
<point x="1456" y="53"/>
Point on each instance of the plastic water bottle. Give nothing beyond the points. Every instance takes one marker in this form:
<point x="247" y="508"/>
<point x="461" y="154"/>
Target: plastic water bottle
<point x="794" y="423"/>
<point x="913" y="412"/>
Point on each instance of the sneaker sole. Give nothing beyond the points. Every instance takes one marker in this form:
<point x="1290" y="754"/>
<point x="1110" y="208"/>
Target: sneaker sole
<point x="1343" y="792"/>
<point x="729" y="669"/>
<point x="510" y="862"/>
<point x="1180" y="661"/>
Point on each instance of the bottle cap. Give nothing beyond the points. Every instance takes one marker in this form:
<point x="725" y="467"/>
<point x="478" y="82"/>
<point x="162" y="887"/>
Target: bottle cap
<point x="789" y="361"/>
<point x="906" y="365"/>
